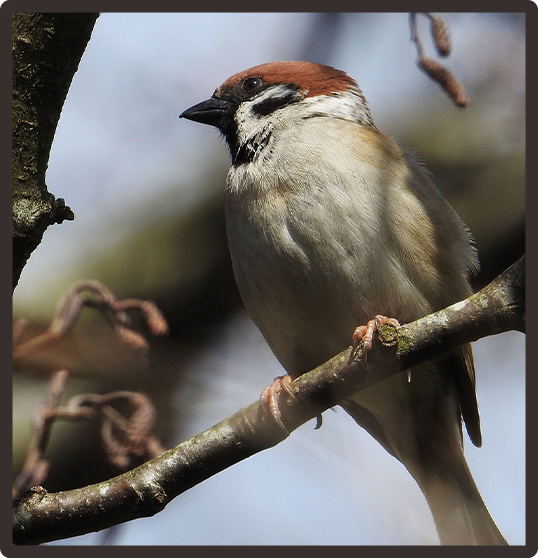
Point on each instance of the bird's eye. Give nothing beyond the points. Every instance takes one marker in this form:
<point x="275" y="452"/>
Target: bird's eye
<point x="251" y="84"/>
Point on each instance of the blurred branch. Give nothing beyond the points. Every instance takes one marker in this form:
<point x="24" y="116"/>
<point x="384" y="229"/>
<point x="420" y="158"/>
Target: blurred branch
<point x="433" y="68"/>
<point x="128" y="441"/>
<point x="47" y="48"/>
<point x="93" y="294"/>
<point x="40" y="517"/>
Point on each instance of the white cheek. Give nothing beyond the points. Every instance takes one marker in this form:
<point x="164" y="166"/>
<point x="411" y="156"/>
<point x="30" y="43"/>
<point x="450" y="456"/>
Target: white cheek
<point x="248" y="124"/>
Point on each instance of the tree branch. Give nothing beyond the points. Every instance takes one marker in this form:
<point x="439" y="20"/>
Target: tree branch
<point x="47" y="48"/>
<point x="40" y="517"/>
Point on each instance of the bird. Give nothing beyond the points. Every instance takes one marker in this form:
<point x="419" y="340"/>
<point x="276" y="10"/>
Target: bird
<point x="329" y="223"/>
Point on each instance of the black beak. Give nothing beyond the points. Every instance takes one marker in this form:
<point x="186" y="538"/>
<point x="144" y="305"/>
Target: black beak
<point x="216" y="112"/>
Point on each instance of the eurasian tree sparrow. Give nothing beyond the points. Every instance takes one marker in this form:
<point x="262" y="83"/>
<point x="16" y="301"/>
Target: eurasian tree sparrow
<point x="329" y="223"/>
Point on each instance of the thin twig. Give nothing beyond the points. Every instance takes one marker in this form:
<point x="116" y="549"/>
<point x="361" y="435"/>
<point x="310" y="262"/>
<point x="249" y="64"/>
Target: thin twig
<point x="128" y="441"/>
<point x="94" y="294"/>
<point x="434" y="69"/>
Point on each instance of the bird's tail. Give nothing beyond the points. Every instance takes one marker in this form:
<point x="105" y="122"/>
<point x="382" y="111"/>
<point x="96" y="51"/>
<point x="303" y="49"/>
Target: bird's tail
<point x="440" y="470"/>
<point x="458" y="510"/>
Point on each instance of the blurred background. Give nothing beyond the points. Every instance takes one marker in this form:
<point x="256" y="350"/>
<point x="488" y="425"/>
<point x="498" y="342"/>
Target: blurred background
<point x="147" y="192"/>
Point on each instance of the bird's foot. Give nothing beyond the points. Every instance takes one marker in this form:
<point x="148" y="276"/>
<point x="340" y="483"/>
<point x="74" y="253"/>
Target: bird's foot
<point x="366" y="335"/>
<point x="269" y="398"/>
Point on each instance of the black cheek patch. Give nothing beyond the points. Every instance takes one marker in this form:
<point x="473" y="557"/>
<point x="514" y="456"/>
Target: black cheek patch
<point x="278" y="100"/>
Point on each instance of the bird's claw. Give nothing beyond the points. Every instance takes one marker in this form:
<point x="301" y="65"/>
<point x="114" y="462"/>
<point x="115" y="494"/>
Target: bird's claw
<point x="366" y="335"/>
<point x="269" y="398"/>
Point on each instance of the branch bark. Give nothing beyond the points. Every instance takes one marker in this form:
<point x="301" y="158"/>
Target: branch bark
<point x="47" y="48"/>
<point x="41" y="517"/>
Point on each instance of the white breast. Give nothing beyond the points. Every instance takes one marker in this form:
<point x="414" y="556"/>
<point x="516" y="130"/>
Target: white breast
<point x="311" y="230"/>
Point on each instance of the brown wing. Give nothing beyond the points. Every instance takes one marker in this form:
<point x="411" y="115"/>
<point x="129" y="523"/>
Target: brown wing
<point x="463" y="366"/>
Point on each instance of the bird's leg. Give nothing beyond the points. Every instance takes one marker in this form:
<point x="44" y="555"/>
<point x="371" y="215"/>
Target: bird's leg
<point x="366" y="335"/>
